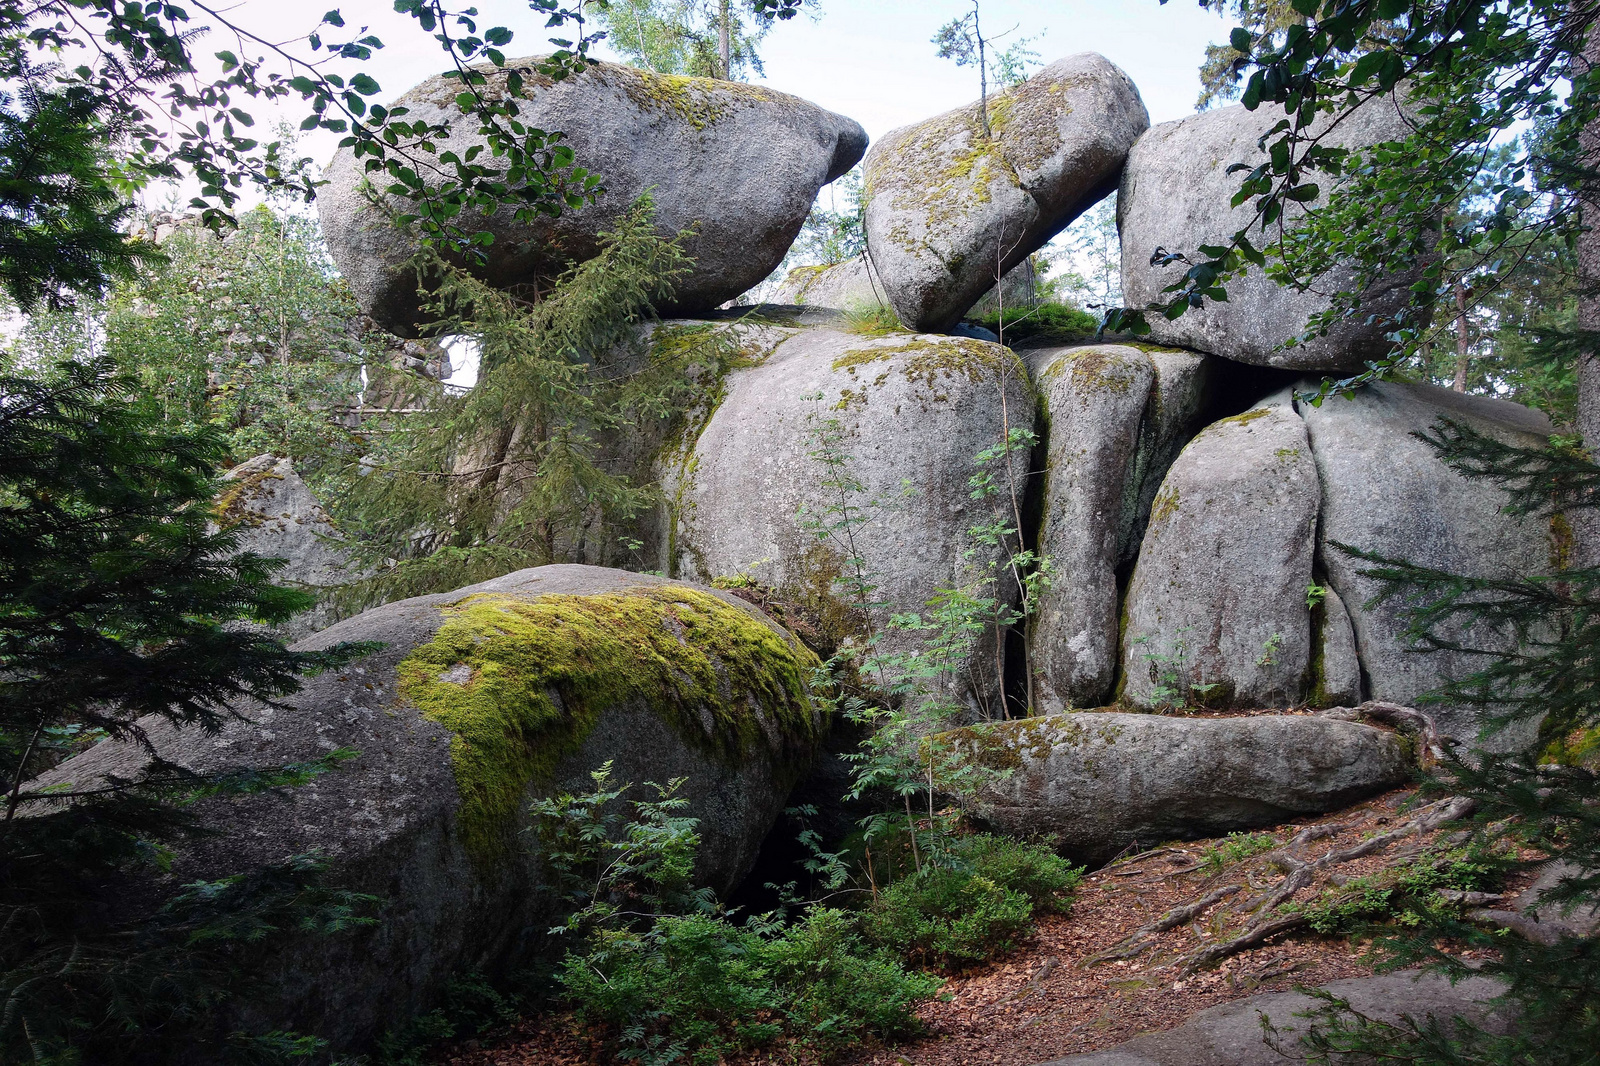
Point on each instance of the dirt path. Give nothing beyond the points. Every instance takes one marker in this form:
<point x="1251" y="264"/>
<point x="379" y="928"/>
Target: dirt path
<point x="1041" y="1003"/>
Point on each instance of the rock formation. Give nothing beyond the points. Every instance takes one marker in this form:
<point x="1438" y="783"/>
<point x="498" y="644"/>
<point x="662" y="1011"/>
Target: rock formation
<point x="1175" y="195"/>
<point x="1216" y="610"/>
<point x="905" y="417"/>
<point x="477" y="701"/>
<point x="737" y="164"/>
<point x="1116" y="418"/>
<point x="277" y="516"/>
<point x="1230" y="1034"/>
<point x="949" y="208"/>
<point x="1099" y="782"/>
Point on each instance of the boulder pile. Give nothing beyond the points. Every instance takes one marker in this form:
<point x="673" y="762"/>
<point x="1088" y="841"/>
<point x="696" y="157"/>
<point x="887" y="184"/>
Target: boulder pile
<point x="1206" y="532"/>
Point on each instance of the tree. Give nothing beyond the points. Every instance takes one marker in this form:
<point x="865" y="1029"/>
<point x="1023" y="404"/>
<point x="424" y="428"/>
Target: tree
<point x="547" y="458"/>
<point x="700" y="38"/>
<point x="116" y="598"/>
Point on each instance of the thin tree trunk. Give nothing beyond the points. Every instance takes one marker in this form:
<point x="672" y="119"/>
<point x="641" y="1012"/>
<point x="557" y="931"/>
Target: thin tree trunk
<point x="983" y="72"/>
<point x="1463" y="339"/>
<point x="725" y="39"/>
<point x="1586" y="523"/>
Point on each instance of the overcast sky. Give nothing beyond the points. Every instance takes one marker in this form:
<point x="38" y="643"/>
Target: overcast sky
<point x="868" y="59"/>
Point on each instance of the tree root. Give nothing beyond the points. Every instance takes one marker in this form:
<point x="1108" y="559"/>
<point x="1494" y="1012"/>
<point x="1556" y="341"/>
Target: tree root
<point x="1271" y="908"/>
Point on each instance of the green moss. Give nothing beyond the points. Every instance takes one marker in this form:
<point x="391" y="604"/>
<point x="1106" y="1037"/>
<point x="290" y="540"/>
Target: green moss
<point x="1560" y="542"/>
<point x="522" y="683"/>
<point x="1246" y="418"/>
<point x="232" y="506"/>
<point x="930" y="358"/>
<point x="699" y="102"/>
<point x="1165" y="504"/>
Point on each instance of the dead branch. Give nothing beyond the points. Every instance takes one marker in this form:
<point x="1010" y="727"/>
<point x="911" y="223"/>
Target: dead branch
<point x="1136" y="942"/>
<point x="1405" y="719"/>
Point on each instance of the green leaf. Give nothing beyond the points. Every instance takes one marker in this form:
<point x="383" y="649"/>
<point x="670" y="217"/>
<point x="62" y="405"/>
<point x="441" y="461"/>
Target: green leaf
<point x="364" y="85"/>
<point x="1240" y="40"/>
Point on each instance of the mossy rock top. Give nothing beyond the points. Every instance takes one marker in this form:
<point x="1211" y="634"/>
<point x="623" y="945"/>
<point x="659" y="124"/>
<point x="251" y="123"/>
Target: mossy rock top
<point x="521" y="678"/>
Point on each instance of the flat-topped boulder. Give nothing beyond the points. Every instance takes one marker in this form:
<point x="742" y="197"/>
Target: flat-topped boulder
<point x="1098" y="782"/>
<point x="735" y="167"/>
<point x="951" y="208"/>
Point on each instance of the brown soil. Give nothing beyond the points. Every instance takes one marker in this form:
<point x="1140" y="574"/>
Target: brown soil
<point x="1041" y="1003"/>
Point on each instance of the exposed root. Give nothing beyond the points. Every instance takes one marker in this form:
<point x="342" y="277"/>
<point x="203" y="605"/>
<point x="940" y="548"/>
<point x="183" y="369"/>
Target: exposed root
<point x="1275" y="890"/>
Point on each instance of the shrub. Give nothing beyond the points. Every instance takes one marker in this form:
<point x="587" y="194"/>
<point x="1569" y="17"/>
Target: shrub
<point x="698" y="988"/>
<point x="974" y="904"/>
<point x="1045" y="322"/>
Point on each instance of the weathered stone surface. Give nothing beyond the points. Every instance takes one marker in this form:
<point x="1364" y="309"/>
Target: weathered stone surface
<point x="908" y="415"/>
<point x="1099" y="781"/>
<point x="1384" y="491"/>
<point x="948" y="210"/>
<point x="1175" y="195"/>
<point x="279" y="517"/>
<point x="1116" y="418"/>
<point x="852" y="285"/>
<point x="478" y="700"/>
<point x="739" y="164"/>
<point x="1219" y="593"/>
<point x="1336" y="665"/>
<point x="1230" y="1034"/>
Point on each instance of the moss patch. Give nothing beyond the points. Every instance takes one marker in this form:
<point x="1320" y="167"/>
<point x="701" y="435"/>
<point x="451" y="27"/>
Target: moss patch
<point x="522" y="683"/>
<point x="232" y="506"/>
<point x="927" y="359"/>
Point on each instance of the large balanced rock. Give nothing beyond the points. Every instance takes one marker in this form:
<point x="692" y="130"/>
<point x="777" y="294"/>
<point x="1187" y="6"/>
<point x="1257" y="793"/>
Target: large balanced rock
<point x="1097" y="782"/>
<point x="1117" y="416"/>
<point x="949" y="210"/>
<point x="1231" y="1034"/>
<point x="278" y="516"/>
<point x="1217" y="606"/>
<point x="738" y="165"/>
<point x="1176" y="194"/>
<point x="837" y="471"/>
<point x="1384" y="491"/>
<point x="478" y="701"/>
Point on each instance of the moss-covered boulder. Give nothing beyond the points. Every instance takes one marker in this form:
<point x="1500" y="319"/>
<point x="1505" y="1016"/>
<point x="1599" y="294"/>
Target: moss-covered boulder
<point x="1116" y="418"/>
<point x="738" y="165"/>
<point x="1097" y="782"/>
<point x="1218" y="597"/>
<point x="951" y="208"/>
<point x="480" y="700"/>
<point x="844" y="459"/>
<point x="1176" y="193"/>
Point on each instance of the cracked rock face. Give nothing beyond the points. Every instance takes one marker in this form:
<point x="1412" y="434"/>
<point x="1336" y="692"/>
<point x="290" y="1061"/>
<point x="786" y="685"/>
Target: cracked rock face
<point x="1099" y="781"/>
<point x="738" y="164"/>
<point x="1176" y="194"/>
<point x="950" y="209"/>
<point x="1246" y="529"/>
<point x="1117" y="418"/>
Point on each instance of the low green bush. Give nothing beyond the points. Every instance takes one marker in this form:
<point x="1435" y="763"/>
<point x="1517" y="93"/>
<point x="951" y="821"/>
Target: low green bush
<point x="698" y="988"/>
<point x="1053" y="322"/>
<point x="973" y="903"/>
<point x="1407" y="894"/>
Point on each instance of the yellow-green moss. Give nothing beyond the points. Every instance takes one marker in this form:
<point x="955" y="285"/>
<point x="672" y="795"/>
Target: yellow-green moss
<point x="1246" y="418"/>
<point x="930" y="358"/>
<point x="1166" y="502"/>
<point x="232" y="505"/>
<point x="522" y="683"/>
<point x="1560" y="542"/>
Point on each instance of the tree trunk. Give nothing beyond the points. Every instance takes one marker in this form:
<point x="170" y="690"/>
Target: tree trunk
<point x="725" y="39"/>
<point x="1586" y="523"/>
<point x="1463" y="339"/>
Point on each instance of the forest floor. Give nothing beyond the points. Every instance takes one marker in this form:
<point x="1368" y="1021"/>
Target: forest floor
<point x="1042" y="1002"/>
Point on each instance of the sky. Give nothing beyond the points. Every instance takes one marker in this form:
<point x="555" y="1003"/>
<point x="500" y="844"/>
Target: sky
<point x="869" y="59"/>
